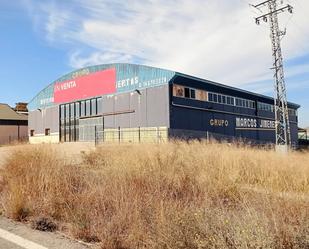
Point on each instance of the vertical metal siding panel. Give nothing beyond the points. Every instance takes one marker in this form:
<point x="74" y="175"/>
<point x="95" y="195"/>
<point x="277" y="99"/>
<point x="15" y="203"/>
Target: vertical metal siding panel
<point x="108" y="107"/>
<point x="23" y="131"/>
<point x="38" y="125"/>
<point x="143" y="108"/>
<point x="8" y="133"/>
<point x="294" y="133"/>
<point x="31" y="120"/>
<point x="168" y="104"/>
<point x="134" y="105"/>
<point x="52" y="119"/>
<point x="157" y="106"/>
<point x="109" y="122"/>
<point x="121" y="105"/>
<point x="108" y="104"/>
<point x="55" y="119"/>
<point x="48" y="119"/>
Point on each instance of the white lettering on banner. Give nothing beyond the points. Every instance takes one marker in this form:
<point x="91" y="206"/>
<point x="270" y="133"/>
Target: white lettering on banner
<point x="134" y="81"/>
<point x="157" y="81"/>
<point x="47" y="101"/>
<point x="219" y="122"/>
<point x="65" y="86"/>
<point x="82" y="72"/>
<point x="253" y="123"/>
<point x="127" y="82"/>
<point x="267" y="124"/>
<point x="246" y="122"/>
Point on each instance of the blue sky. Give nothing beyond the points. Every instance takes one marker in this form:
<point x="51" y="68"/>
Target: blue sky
<point x="212" y="39"/>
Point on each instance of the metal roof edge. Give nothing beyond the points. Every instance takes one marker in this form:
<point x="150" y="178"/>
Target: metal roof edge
<point x="111" y="64"/>
<point x="18" y="116"/>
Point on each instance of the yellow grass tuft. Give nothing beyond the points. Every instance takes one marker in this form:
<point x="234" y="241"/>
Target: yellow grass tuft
<point x="172" y="195"/>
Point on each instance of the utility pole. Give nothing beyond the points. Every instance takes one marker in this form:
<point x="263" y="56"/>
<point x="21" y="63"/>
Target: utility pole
<point x="282" y="125"/>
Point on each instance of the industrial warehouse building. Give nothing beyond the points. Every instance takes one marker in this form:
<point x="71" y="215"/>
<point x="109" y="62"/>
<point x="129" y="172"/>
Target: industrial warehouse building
<point x="13" y="124"/>
<point x="129" y="102"/>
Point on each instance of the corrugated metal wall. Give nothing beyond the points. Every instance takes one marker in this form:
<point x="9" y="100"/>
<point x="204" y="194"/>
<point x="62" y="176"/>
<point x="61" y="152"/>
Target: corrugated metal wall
<point x="11" y="133"/>
<point x="150" y="108"/>
<point x="48" y="118"/>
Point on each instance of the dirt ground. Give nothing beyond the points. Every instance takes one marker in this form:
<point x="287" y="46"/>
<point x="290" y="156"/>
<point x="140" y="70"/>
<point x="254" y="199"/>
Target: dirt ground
<point x="70" y="151"/>
<point x="43" y="239"/>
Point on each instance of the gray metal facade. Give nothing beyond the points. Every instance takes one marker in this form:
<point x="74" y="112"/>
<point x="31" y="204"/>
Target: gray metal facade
<point x="150" y="108"/>
<point x="146" y="108"/>
<point x="48" y="118"/>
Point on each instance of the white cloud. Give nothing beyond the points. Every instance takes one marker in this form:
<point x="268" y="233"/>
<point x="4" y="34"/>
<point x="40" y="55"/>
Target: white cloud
<point x="57" y="20"/>
<point x="78" y="61"/>
<point x="213" y="39"/>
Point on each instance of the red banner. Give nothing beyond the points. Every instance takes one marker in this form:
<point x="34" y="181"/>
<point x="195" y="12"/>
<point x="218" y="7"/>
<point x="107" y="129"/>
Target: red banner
<point x="87" y="86"/>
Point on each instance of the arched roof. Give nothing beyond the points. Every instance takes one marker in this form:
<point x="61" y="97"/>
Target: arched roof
<point x="99" y="80"/>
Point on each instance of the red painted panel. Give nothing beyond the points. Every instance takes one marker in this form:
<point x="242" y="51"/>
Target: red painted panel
<point x="87" y="86"/>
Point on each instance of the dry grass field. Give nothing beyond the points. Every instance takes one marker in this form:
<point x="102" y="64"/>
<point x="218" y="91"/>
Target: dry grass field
<point x="171" y="195"/>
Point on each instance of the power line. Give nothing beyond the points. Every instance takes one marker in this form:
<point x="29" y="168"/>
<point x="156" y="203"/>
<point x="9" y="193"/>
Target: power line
<point x="282" y="124"/>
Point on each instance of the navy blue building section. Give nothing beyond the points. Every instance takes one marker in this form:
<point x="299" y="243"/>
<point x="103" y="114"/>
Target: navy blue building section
<point x="202" y="105"/>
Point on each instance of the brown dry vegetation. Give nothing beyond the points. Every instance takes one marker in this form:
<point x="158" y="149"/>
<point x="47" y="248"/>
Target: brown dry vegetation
<point x="173" y="195"/>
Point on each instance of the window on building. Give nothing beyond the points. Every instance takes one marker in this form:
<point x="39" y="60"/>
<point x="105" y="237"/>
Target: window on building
<point x="228" y="100"/>
<point x="77" y="109"/>
<point x="223" y="99"/>
<point x="88" y="108"/>
<point x="178" y="91"/>
<point x="31" y="133"/>
<point x="192" y="93"/>
<point x="272" y="109"/>
<point x="72" y="111"/>
<point x="99" y="105"/>
<point x="242" y="103"/>
<point x="94" y="107"/>
<point x="265" y="107"/>
<point x="232" y="101"/>
<point x="187" y="92"/>
<point x="215" y="97"/>
<point x="82" y="109"/>
<point x="62" y="112"/>
<point x="47" y="132"/>
<point x="210" y="97"/>
<point x="253" y="104"/>
<point x="247" y="103"/>
<point x="67" y="111"/>
<point x="292" y="112"/>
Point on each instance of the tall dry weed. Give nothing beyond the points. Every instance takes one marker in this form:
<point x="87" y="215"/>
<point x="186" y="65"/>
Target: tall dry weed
<point x="173" y="195"/>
